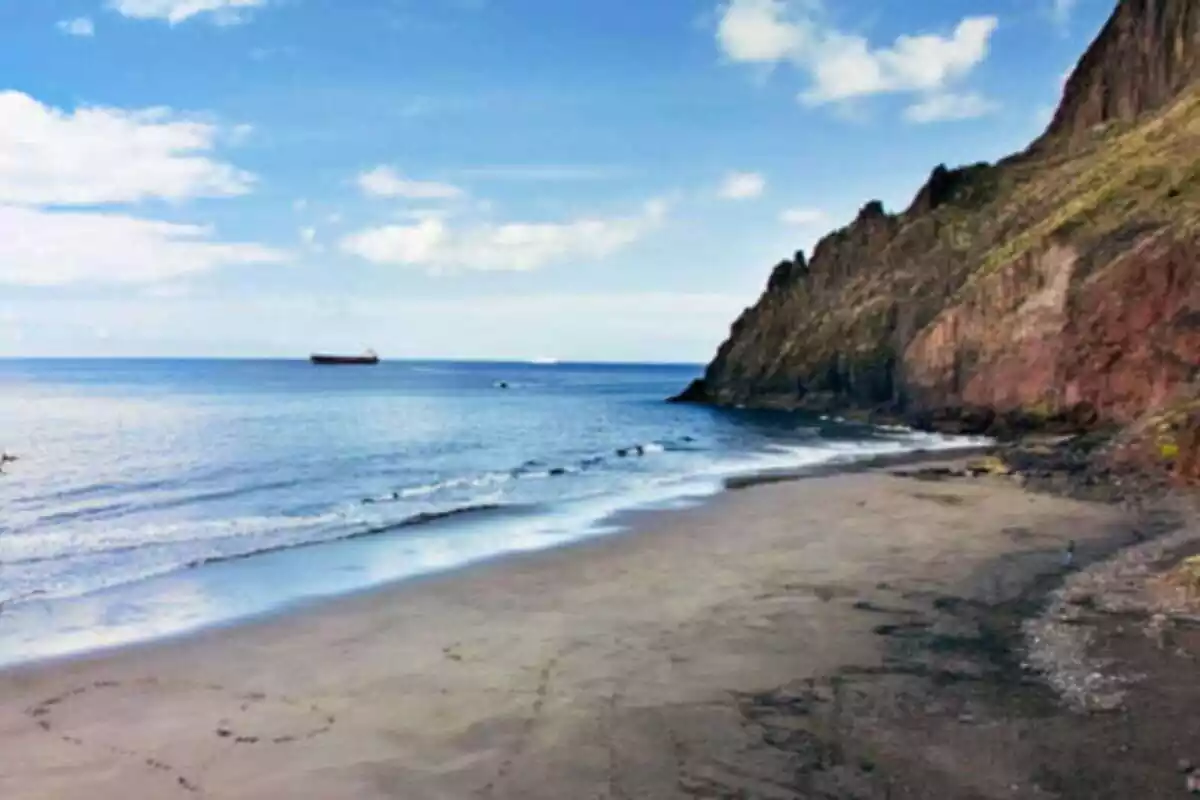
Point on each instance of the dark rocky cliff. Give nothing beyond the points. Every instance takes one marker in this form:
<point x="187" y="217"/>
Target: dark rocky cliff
<point x="1060" y="284"/>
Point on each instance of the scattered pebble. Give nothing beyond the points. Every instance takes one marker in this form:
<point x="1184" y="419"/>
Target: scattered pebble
<point x="1059" y="642"/>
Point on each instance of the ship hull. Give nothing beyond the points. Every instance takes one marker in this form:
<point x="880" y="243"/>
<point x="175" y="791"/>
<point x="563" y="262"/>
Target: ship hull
<point x="327" y="360"/>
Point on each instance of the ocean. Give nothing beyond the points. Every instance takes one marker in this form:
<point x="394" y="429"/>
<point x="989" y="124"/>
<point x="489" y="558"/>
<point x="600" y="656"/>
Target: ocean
<point x="156" y="497"/>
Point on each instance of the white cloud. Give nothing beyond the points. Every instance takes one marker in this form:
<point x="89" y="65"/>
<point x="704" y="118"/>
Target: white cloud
<point x="308" y="235"/>
<point x="760" y="31"/>
<point x="239" y="134"/>
<point x="843" y="66"/>
<point x="163" y="291"/>
<point x="40" y="248"/>
<point x="434" y="244"/>
<point x="80" y="26"/>
<point x="802" y="217"/>
<point x="107" y="155"/>
<point x="421" y="214"/>
<point x="1061" y="10"/>
<point x="848" y="67"/>
<point x="51" y="160"/>
<point x="224" y="12"/>
<point x="743" y="186"/>
<point x="386" y="182"/>
<point x="949" y="106"/>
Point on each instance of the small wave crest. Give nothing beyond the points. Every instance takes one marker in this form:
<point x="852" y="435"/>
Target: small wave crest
<point x="112" y="510"/>
<point x="533" y="469"/>
<point x="65" y="543"/>
<point x="427" y="489"/>
<point x="413" y="521"/>
<point x="242" y="539"/>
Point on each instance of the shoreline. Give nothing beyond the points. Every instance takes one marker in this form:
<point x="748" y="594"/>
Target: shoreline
<point x="867" y="464"/>
<point x="619" y="522"/>
<point x="702" y="639"/>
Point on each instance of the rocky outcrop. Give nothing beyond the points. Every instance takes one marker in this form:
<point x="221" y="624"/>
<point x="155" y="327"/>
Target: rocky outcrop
<point x="1165" y="440"/>
<point x="1059" y="285"/>
<point x="1145" y="56"/>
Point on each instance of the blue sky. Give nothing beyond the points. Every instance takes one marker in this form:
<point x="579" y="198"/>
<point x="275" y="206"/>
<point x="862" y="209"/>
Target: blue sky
<point x="595" y="179"/>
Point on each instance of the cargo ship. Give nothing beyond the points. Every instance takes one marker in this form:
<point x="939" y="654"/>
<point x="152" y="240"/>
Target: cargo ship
<point x="369" y="357"/>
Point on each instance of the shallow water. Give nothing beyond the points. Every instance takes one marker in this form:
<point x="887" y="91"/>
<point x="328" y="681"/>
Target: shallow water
<point x="153" y="497"/>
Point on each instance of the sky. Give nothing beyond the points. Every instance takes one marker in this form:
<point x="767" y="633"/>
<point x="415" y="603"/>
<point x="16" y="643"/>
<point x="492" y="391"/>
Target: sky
<point x="577" y="179"/>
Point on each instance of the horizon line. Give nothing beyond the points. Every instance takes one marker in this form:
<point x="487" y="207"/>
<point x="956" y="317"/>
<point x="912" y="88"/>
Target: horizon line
<point x="404" y="359"/>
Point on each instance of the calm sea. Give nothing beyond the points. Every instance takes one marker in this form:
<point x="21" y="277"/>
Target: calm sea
<point x="154" y="497"/>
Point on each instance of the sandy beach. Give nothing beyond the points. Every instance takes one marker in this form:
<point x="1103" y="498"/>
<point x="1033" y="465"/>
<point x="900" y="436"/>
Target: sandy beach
<point x="758" y="646"/>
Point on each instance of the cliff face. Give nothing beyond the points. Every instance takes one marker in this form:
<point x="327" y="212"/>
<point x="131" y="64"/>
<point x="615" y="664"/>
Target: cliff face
<point x="1145" y="56"/>
<point x="1060" y="283"/>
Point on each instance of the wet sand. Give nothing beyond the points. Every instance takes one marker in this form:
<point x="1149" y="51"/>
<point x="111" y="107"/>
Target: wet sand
<point x="786" y="640"/>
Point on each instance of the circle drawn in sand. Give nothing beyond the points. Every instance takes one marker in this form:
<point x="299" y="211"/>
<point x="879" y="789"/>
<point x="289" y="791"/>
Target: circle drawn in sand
<point x="212" y="719"/>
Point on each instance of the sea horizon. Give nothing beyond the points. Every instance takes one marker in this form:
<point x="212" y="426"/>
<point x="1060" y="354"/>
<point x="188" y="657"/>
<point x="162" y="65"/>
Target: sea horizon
<point x="533" y="361"/>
